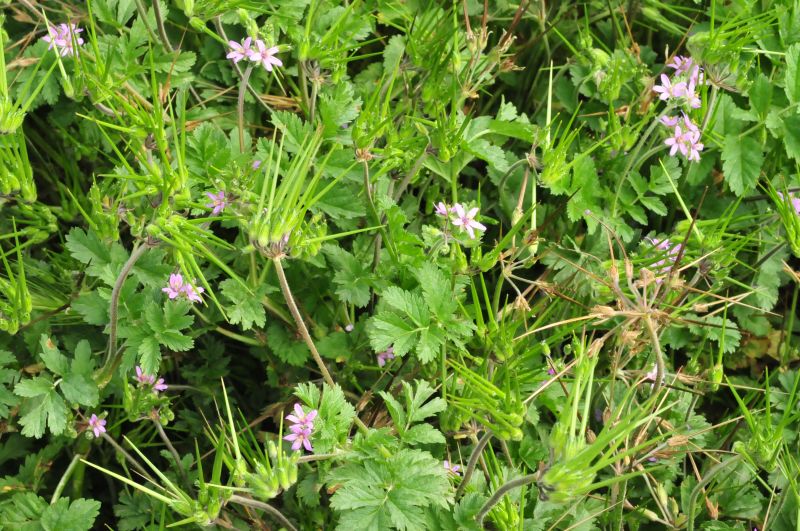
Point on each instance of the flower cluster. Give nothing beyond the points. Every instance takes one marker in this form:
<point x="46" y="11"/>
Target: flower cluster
<point x="672" y="251"/>
<point x="385" y="356"/>
<point x="461" y="217"/>
<point x="257" y="52"/>
<point x="682" y="89"/>
<point x="150" y="380"/>
<point x="97" y="425"/>
<point x="63" y="37"/>
<point x="177" y="288"/>
<point x="301" y="428"/>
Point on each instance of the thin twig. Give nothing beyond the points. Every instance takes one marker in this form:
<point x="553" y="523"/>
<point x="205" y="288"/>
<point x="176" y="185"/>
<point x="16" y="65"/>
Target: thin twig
<point x="241" y="500"/>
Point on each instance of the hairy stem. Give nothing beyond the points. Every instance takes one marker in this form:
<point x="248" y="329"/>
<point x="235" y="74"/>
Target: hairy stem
<point x="128" y="457"/>
<point x="113" y="312"/>
<point x="62" y="483"/>
<point x="473" y="460"/>
<point x="170" y="447"/>
<point x="651" y="330"/>
<point x="499" y="493"/>
<point x="241" y="500"/>
<point x="301" y="327"/>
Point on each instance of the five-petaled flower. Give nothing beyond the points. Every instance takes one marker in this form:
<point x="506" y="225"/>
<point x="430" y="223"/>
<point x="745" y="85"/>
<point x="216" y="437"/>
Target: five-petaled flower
<point x="241" y="50"/>
<point x="97" y="425"/>
<point x="63" y="37"/>
<point x="452" y="468"/>
<point x="385" y="356"/>
<point x="266" y="56"/>
<point x="301" y="428"/>
<point x="466" y="220"/>
<point x="681" y="64"/>
<point x="177" y="287"/>
<point x="667" y="90"/>
<point x="217" y="203"/>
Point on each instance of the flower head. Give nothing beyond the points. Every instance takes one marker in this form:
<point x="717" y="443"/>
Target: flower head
<point x="441" y="209"/>
<point x="240" y="51"/>
<point x="300" y="438"/>
<point x="150" y="380"/>
<point x="302" y="420"/>
<point x="452" y="468"/>
<point x="669" y="121"/>
<point x="652" y="375"/>
<point x="265" y="56"/>
<point x="466" y="220"/>
<point x="97" y="425"/>
<point x="217" y="203"/>
<point x="348" y="327"/>
<point x="385" y="356"/>
<point x="175" y="286"/>
<point x="63" y="37"/>
<point x="667" y="90"/>
<point x="681" y="64"/>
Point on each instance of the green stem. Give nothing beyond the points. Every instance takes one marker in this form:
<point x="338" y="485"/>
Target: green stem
<point x="62" y="483"/>
<point x="651" y="330"/>
<point x="631" y="159"/>
<point x="170" y="447"/>
<point x="128" y="457"/>
<point x="499" y="493"/>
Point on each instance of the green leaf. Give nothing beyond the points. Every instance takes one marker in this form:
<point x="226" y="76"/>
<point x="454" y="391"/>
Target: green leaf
<point x="352" y="277"/>
<point x="80" y="389"/>
<point x="423" y="434"/>
<point x="390" y="493"/>
<point x="53" y="359"/>
<point x="760" y="94"/>
<point x="246" y="308"/>
<point x="65" y="516"/>
<point x="287" y="348"/>
<point x="44" y="409"/>
<point x="792" y="79"/>
<point x="332" y="425"/>
<point x="36" y="386"/>
<point x="741" y="163"/>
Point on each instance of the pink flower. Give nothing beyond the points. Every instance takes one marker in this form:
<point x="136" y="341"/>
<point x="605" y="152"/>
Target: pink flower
<point x="97" y="425"/>
<point x="160" y="385"/>
<point x="302" y="420"/>
<point x="142" y="378"/>
<point x="240" y="51"/>
<point x="667" y="90"/>
<point x="256" y="164"/>
<point x="175" y="286"/>
<point x="63" y="37"/>
<point x="265" y="56"/>
<point x="150" y="380"/>
<point x="692" y="97"/>
<point x="669" y="121"/>
<point x="681" y="64"/>
<point x="300" y="438"/>
<point x="442" y="209"/>
<point x="676" y="142"/>
<point x="348" y="327"/>
<point x="652" y="374"/>
<point x="694" y="146"/>
<point x="385" y="356"/>
<point x="466" y="220"/>
<point x="794" y="200"/>
<point x="662" y="266"/>
<point x="696" y="77"/>
<point x="193" y="292"/>
<point x="452" y="468"/>
<point x="217" y="202"/>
